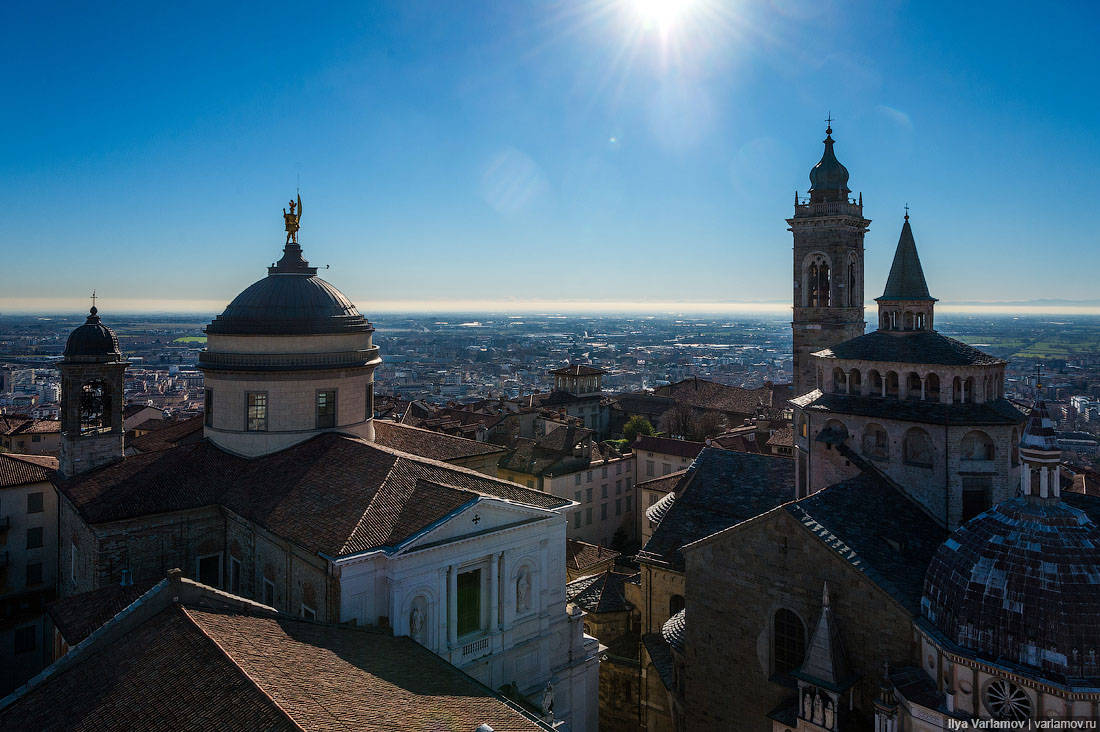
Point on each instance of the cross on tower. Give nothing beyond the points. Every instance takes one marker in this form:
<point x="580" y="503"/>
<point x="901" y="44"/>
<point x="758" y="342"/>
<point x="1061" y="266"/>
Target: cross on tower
<point x="93" y="298"/>
<point x="906" y="210"/>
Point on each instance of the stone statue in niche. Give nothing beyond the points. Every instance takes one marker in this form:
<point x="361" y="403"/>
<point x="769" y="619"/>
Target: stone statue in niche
<point x="548" y="699"/>
<point x="819" y="715"/>
<point x="807" y="702"/>
<point x="418" y="620"/>
<point x="829" y="714"/>
<point x="523" y="591"/>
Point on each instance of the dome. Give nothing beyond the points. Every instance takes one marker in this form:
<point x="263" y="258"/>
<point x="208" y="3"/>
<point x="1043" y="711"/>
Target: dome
<point x="829" y="179"/>
<point x="93" y="341"/>
<point x="1020" y="583"/>
<point x="291" y="300"/>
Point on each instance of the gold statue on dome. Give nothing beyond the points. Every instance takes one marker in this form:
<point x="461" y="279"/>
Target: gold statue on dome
<point x="292" y="220"/>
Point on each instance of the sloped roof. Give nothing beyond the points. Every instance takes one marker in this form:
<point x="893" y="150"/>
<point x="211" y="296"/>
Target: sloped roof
<point x="601" y="593"/>
<point x="719" y="397"/>
<point x="172" y="433"/>
<point x="429" y="444"/>
<point x="578" y="369"/>
<point x="24" y="469"/>
<point x="877" y="529"/>
<point x="20" y="425"/>
<point x="195" y="668"/>
<point x="722" y="488"/>
<point x="78" y="616"/>
<point x="371" y="496"/>
<point x="826" y="663"/>
<point x="997" y="411"/>
<point x="915" y="347"/>
<point x="668" y="446"/>
<point x="580" y="555"/>
<point x="906" y="280"/>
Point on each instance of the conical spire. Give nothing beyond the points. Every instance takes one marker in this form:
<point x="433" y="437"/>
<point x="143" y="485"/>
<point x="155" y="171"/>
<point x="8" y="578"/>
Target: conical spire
<point x="906" y="280"/>
<point x="826" y="662"/>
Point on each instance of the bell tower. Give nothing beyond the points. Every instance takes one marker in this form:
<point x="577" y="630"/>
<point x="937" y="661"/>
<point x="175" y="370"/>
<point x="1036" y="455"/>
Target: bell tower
<point x="828" y="229"/>
<point x="92" y="371"/>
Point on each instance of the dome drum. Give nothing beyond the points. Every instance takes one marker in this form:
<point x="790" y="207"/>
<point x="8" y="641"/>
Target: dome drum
<point x="222" y="361"/>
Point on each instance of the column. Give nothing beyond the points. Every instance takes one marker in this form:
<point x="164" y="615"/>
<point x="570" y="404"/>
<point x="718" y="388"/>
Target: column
<point x="923" y="381"/>
<point x="452" y="607"/>
<point x="1044" y="487"/>
<point x="882" y="380"/>
<point x="1025" y="480"/>
<point x="494" y="593"/>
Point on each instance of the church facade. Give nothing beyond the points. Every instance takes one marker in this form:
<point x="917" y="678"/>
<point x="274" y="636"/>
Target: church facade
<point x="294" y="500"/>
<point x="923" y="570"/>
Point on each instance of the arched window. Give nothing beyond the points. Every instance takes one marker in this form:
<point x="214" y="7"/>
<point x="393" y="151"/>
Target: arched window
<point x="956" y="391"/>
<point x="817" y="282"/>
<point x="876" y="442"/>
<point x="788" y="641"/>
<point x="95" y="407"/>
<point x="912" y="386"/>
<point x="675" y="604"/>
<point x="908" y="320"/>
<point x="968" y="387"/>
<point x="977" y="445"/>
<point x="917" y="448"/>
<point x="855" y="382"/>
<point x="932" y="387"/>
<point x="838" y="381"/>
<point x="884" y="320"/>
<point x="852" y="294"/>
<point x="892" y="384"/>
<point x="920" y="321"/>
<point x="874" y="382"/>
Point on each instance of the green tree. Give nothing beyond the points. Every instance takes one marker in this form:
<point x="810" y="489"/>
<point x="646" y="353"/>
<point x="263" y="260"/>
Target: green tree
<point x="636" y="425"/>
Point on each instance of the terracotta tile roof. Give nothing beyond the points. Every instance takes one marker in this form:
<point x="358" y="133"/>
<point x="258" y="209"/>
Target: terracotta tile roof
<point x="11" y="425"/>
<point x="743" y="440"/>
<point x="78" y="616"/>
<point x="712" y="395"/>
<point x="194" y="668"/>
<point x="23" y="469"/>
<point x="171" y="434"/>
<point x="371" y="496"/>
<point x="580" y="555"/>
<point x="429" y="444"/>
<point x="668" y="446"/>
<point x="163" y="675"/>
<point x="782" y="437"/>
<point x="665" y="484"/>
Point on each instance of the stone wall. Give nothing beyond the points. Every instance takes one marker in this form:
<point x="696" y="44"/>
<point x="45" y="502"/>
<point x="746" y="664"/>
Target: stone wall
<point x="736" y="582"/>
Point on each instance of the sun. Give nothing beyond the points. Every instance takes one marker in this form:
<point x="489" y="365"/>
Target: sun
<point x="661" y="15"/>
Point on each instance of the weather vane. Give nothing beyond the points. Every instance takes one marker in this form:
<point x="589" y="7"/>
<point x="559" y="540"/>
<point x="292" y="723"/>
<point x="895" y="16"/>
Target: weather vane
<point x="292" y="220"/>
<point x="906" y="210"/>
<point x="829" y="123"/>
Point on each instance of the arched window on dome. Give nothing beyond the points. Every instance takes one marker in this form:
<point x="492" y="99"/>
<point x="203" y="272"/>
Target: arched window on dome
<point x="788" y="641"/>
<point x="874" y="383"/>
<point x="917" y="448"/>
<point x="876" y="442"/>
<point x="977" y="445"/>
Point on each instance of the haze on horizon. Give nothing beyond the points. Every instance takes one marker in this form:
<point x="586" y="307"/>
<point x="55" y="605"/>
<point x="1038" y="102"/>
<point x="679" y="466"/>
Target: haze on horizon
<point x="564" y="156"/>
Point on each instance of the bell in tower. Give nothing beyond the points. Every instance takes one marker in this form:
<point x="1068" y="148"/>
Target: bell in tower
<point x="92" y="371"/>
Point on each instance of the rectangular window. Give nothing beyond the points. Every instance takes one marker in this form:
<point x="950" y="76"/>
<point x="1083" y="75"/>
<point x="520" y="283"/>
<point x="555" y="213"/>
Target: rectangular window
<point x="603" y="511"/>
<point x="577" y="496"/>
<point x="34" y="574"/>
<point x="208" y="407"/>
<point x="588" y="496"/>
<point x="469" y="602"/>
<point x="326" y="409"/>
<point x="235" y="575"/>
<point x="577" y="479"/>
<point x="257" y="411"/>
<point x="36" y="438"/>
<point x="25" y="639"/>
<point x="628" y="483"/>
<point x="208" y="570"/>
<point x="649" y="467"/>
<point x="589" y="476"/>
<point x="34" y="503"/>
<point x="308" y="613"/>
<point x="618" y="487"/>
<point x="603" y="491"/>
<point x="976" y="495"/>
<point x="627" y="502"/>
<point x="618" y="507"/>
<point x="269" y="592"/>
<point x="603" y="472"/>
<point x="588" y="516"/>
<point x="577" y="519"/>
<point x="665" y="468"/>
<point x="370" y="401"/>
<point x="652" y="498"/>
<point x="618" y="468"/>
<point x="34" y="538"/>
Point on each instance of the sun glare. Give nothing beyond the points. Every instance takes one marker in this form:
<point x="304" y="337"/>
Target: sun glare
<point x="661" y="15"/>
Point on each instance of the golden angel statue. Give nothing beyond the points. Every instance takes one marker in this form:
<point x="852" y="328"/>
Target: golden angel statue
<point x="292" y="220"/>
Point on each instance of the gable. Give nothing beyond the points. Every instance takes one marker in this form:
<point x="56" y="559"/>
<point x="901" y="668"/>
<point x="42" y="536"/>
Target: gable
<point x="480" y="515"/>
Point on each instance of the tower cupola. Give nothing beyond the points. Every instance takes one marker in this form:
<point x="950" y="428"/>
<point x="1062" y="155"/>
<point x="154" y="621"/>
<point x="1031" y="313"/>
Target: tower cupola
<point x="905" y="304"/>
<point x="828" y="179"/>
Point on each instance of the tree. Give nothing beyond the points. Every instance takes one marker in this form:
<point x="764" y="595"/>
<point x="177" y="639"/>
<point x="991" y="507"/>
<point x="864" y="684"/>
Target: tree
<point x="636" y="425"/>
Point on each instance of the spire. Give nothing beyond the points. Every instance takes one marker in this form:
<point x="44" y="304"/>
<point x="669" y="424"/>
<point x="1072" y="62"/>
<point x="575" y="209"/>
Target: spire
<point x="826" y="662"/>
<point x="906" y="280"/>
<point x="828" y="179"/>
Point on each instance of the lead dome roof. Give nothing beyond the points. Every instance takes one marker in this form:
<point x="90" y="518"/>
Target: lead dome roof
<point x="291" y="300"/>
<point x="93" y="341"/>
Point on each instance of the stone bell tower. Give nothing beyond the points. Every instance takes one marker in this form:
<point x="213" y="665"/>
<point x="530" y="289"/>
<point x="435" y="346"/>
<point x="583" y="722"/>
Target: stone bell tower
<point x="828" y="230"/>
<point x="91" y="398"/>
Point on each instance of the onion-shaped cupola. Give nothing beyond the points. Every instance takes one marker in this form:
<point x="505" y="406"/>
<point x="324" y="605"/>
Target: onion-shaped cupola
<point x="828" y="179"/>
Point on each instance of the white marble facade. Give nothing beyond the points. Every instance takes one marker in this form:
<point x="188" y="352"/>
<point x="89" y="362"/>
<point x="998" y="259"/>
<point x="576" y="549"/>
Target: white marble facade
<point x="521" y="632"/>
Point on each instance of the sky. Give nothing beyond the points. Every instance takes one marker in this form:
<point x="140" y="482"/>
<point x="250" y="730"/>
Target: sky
<point x="618" y="154"/>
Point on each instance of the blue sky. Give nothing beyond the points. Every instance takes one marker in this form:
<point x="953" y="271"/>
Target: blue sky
<point x="589" y="151"/>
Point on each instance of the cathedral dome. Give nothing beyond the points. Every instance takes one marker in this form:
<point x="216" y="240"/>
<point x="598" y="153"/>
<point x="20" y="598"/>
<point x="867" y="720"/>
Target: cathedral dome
<point x="92" y="341"/>
<point x="289" y="304"/>
<point x="829" y="179"/>
<point x="1020" y="583"/>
